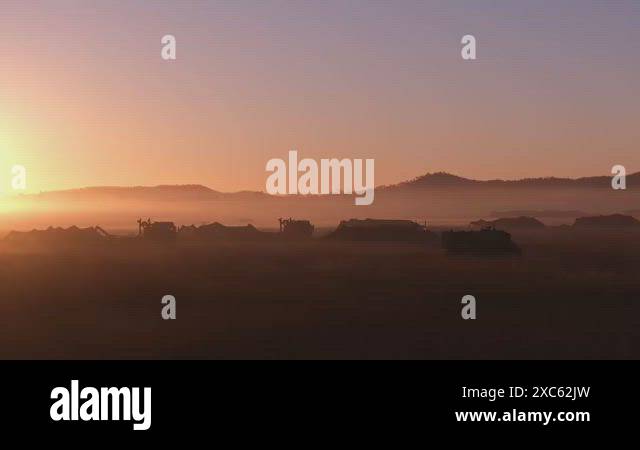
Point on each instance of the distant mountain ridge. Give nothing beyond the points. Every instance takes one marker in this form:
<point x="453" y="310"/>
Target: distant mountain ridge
<point x="443" y="179"/>
<point x="430" y="180"/>
<point x="160" y="192"/>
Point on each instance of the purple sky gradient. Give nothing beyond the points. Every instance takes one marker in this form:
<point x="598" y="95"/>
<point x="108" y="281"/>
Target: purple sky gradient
<point x="85" y="98"/>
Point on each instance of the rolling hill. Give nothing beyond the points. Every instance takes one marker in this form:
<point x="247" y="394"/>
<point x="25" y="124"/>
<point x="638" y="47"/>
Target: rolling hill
<point x="438" y="198"/>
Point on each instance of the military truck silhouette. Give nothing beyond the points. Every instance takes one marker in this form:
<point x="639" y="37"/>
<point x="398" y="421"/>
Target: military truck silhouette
<point x="157" y="231"/>
<point x="296" y="229"/>
<point x="71" y="235"/>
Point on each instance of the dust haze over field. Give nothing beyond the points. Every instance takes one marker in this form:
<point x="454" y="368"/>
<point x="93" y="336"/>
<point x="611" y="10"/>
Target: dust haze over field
<point x="141" y="144"/>
<point x="571" y="294"/>
<point x="439" y="199"/>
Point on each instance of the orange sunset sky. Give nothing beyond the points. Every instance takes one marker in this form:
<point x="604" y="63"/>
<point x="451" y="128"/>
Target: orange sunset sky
<point x="85" y="98"/>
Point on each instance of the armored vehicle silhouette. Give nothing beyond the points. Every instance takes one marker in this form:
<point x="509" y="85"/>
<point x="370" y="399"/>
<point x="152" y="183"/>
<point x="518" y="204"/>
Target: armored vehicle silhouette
<point x="382" y="230"/>
<point x="613" y="221"/>
<point x="217" y="231"/>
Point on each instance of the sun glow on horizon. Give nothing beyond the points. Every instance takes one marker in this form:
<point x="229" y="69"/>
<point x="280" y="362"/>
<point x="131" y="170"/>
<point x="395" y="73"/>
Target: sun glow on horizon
<point x="344" y="88"/>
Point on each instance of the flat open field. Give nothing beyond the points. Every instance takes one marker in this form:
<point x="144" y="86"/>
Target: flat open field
<point x="568" y="296"/>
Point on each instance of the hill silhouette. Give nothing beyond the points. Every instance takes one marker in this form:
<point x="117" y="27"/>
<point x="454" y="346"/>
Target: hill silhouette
<point x="447" y="180"/>
<point x="429" y="180"/>
<point x="160" y="193"/>
<point x="439" y="198"/>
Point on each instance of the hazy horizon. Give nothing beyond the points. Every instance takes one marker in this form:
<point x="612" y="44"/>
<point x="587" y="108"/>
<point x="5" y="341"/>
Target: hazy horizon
<point x="88" y="101"/>
<point x="396" y="183"/>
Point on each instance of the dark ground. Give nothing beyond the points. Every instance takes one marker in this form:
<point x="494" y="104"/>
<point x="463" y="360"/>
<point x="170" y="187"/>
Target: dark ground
<point x="569" y="296"/>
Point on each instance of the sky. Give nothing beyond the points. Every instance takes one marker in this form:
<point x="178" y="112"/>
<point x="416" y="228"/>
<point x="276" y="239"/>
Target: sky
<point x="87" y="100"/>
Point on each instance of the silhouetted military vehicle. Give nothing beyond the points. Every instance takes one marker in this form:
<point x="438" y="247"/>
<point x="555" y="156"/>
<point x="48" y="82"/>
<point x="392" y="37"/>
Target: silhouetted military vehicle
<point x="296" y="229"/>
<point x="485" y="241"/>
<point x="157" y="231"/>
<point x="217" y="231"/>
<point x="382" y="230"/>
